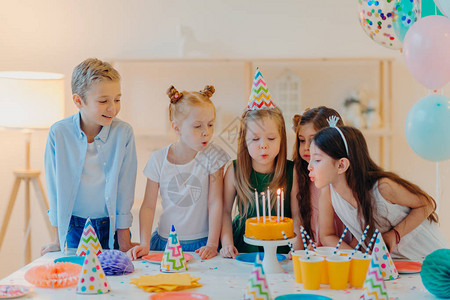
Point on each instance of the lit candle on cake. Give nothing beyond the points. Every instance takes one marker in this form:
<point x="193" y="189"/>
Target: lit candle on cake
<point x="257" y="205"/>
<point x="282" y="204"/>
<point x="278" y="205"/>
<point x="264" y="206"/>
<point x="268" y="204"/>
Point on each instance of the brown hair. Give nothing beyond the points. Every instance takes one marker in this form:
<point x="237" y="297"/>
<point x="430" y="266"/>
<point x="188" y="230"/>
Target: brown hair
<point x="89" y="71"/>
<point x="180" y="103"/>
<point x="363" y="173"/>
<point x="244" y="162"/>
<point x="318" y="117"/>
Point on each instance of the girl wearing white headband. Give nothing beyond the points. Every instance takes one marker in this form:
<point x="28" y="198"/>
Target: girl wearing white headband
<point x="361" y="193"/>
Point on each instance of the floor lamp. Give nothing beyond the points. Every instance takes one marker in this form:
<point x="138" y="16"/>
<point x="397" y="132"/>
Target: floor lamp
<point x="29" y="101"/>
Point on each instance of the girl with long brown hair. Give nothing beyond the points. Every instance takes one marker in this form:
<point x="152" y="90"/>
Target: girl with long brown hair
<point x="361" y="193"/>
<point x="305" y="207"/>
<point x="260" y="165"/>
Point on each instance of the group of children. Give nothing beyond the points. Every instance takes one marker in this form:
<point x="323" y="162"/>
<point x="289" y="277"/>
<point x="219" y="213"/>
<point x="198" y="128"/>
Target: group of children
<point x="332" y="183"/>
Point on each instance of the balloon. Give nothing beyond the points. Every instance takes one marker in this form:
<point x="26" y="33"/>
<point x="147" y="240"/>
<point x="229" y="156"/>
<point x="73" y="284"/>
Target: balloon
<point x="375" y="17"/>
<point x="426" y="49"/>
<point x="428" y="128"/>
<point x="406" y="13"/>
<point x="444" y="6"/>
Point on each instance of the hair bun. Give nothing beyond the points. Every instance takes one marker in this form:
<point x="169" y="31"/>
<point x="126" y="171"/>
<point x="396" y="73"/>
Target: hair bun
<point x="208" y="91"/>
<point x="174" y="95"/>
<point x="296" y="122"/>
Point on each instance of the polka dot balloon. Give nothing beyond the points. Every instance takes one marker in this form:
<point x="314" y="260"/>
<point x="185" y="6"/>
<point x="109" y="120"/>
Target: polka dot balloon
<point x="376" y="18"/>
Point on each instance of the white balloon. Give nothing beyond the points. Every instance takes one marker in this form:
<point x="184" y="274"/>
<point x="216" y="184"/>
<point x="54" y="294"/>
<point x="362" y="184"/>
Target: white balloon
<point x="444" y="6"/>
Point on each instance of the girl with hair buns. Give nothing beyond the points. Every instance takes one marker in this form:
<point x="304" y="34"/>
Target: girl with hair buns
<point x="361" y="193"/>
<point x="189" y="177"/>
<point x="305" y="207"/>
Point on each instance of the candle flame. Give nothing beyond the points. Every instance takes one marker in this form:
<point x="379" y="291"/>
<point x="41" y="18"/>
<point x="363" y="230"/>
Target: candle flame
<point x="278" y="191"/>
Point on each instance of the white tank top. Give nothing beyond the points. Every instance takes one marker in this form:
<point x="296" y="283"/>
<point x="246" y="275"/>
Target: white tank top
<point x="415" y="245"/>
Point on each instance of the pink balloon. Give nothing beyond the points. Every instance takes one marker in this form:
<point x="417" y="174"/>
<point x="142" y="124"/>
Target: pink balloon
<point x="426" y="49"/>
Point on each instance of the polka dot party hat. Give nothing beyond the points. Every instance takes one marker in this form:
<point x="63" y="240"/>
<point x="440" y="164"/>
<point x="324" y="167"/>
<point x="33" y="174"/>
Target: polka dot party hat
<point x="387" y="267"/>
<point x="173" y="258"/>
<point x="89" y="239"/>
<point x="374" y="287"/>
<point x="260" y="97"/>
<point x="92" y="278"/>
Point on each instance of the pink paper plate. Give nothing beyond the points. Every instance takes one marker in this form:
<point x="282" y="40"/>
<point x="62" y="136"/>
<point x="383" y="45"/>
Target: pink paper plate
<point x="157" y="257"/>
<point x="178" y="296"/>
<point x="407" y="266"/>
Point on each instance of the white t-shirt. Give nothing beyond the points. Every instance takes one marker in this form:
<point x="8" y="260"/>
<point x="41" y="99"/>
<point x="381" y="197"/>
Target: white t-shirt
<point x="90" y="200"/>
<point x="184" y="190"/>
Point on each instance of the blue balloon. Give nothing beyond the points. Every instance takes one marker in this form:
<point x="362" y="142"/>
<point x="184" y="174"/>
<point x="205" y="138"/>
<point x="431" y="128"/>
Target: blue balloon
<point x="428" y="128"/>
<point x="406" y="13"/>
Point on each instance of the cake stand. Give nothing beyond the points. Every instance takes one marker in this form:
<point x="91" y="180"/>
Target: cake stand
<point x="270" y="262"/>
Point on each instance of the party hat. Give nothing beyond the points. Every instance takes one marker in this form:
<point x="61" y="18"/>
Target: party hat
<point x="92" y="278"/>
<point x="260" y="97"/>
<point x="257" y="287"/>
<point x="387" y="267"/>
<point x="173" y="258"/>
<point x="374" y="287"/>
<point x="89" y="238"/>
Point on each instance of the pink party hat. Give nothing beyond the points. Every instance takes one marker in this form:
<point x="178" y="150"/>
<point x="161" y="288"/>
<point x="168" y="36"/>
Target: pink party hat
<point x="89" y="239"/>
<point x="257" y="287"/>
<point x="92" y="278"/>
<point x="374" y="287"/>
<point x="173" y="257"/>
<point x="260" y="97"/>
<point x="387" y="267"/>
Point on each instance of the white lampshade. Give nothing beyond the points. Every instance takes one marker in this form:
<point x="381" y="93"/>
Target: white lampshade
<point x="31" y="99"/>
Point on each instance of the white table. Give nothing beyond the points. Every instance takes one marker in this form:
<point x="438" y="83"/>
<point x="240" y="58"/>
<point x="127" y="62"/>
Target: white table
<point x="221" y="278"/>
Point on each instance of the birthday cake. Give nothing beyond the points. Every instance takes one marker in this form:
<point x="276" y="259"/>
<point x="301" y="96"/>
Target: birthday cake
<point x="270" y="230"/>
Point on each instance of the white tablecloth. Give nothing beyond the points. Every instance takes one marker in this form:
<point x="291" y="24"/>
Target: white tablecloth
<point x="221" y="279"/>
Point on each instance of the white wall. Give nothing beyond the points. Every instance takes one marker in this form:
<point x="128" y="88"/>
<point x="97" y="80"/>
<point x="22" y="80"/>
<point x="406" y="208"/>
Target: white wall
<point x="54" y="36"/>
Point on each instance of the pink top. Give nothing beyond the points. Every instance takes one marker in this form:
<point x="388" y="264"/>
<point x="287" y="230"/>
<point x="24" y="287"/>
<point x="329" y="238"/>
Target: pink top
<point x="338" y="225"/>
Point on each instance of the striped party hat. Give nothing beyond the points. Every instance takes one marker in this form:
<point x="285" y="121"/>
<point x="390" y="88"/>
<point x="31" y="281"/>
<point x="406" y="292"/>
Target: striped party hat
<point x="173" y="258"/>
<point x="374" y="287"/>
<point x="89" y="238"/>
<point x="257" y="287"/>
<point x="260" y="97"/>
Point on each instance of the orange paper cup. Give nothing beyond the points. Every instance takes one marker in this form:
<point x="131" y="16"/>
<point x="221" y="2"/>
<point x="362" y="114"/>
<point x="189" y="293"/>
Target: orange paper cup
<point x="296" y="263"/>
<point x="338" y="270"/>
<point x="324" y="252"/>
<point x="358" y="269"/>
<point x="310" y="269"/>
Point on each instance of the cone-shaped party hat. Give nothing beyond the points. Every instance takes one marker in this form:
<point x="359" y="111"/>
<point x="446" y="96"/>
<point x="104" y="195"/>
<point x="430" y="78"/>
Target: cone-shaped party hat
<point x="89" y="239"/>
<point x="374" y="287"/>
<point x="257" y="287"/>
<point x="260" y="97"/>
<point x="387" y="267"/>
<point x="92" y="278"/>
<point x="173" y="257"/>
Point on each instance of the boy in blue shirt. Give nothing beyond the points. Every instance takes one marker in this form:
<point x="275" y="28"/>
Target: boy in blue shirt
<point x="90" y="163"/>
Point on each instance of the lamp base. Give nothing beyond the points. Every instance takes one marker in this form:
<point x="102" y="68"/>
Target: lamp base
<point x="27" y="175"/>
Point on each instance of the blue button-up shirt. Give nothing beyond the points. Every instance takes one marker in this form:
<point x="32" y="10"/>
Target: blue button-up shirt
<point x="64" y="160"/>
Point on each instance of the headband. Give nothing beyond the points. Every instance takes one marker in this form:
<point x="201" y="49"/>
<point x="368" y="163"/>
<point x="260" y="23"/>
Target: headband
<point x="332" y="121"/>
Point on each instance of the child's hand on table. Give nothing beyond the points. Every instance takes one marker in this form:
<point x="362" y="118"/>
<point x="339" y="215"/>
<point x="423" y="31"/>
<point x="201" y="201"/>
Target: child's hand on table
<point x="52" y="247"/>
<point x="137" y="251"/>
<point x="207" y="252"/>
<point x="229" y="251"/>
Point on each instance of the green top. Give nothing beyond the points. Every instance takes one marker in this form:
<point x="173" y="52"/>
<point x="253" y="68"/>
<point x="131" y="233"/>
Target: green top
<point x="261" y="182"/>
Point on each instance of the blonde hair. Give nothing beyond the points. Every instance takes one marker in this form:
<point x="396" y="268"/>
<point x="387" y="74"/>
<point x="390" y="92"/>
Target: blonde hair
<point x="181" y="103"/>
<point x="89" y="71"/>
<point x="243" y="170"/>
